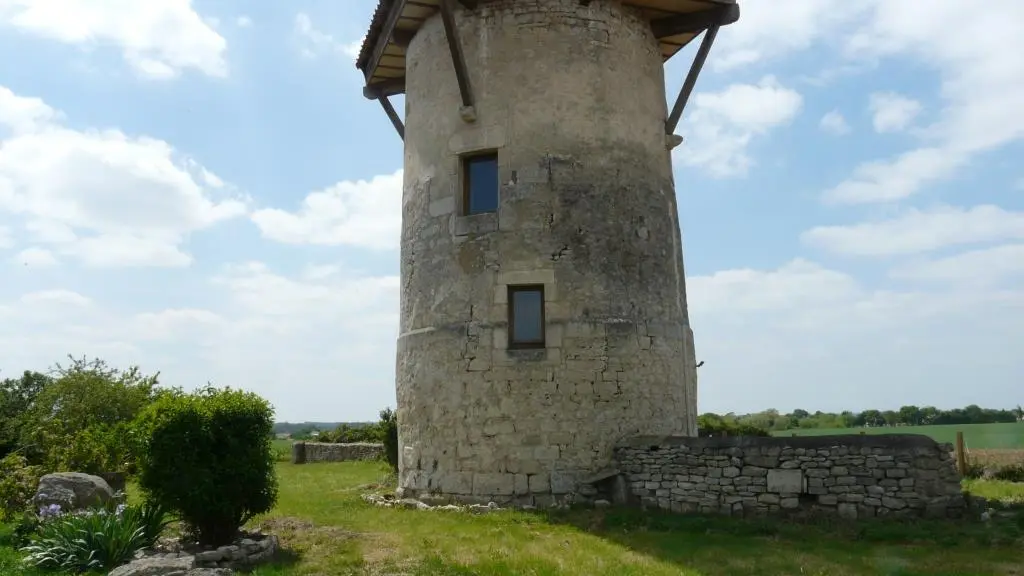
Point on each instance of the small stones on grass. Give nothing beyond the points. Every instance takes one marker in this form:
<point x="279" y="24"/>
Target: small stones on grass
<point x="390" y="501"/>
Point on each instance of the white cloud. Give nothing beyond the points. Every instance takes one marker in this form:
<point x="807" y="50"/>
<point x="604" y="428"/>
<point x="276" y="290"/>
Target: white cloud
<point x="892" y="112"/>
<point x="988" y="266"/>
<point x="817" y="338"/>
<point x="982" y="84"/>
<point x="896" y="179"/>
<point x="35" y="257"/>
<point x="158" y="38"/>
<point x="916" y="231"/>
<point x="319" y="345"/>
<point x="767" y="30"/>
<point x="56" y="298"/>
<point x="834" y="123"/>
<point x="6" y="238"/>
<point x="721" y="125"/>
<point x="105" y="197"/>
<point x="243" y="22"/>
<point x="316" y="42"/>
<point x="354" y="213"/>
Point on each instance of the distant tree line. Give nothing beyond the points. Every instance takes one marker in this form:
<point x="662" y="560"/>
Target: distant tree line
<point x="773" y="420"/>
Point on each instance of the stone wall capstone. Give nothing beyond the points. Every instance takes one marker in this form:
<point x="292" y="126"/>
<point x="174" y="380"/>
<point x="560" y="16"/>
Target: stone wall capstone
<point x="851" y="476"/>
<point x="326" y="452"/>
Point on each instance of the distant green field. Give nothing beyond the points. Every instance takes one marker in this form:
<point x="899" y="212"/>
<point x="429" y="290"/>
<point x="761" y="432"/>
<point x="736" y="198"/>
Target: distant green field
<point x="977" y="436"/>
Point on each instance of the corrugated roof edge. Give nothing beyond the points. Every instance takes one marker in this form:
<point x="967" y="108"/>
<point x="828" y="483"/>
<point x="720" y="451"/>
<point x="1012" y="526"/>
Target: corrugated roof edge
<point x="379" y="15"/>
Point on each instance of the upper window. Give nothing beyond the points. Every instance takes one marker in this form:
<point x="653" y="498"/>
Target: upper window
<point x="526" y="316"/>
<point x="480" y="183"/>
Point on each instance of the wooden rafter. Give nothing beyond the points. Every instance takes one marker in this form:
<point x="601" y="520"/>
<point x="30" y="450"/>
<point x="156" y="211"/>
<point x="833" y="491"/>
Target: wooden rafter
<point x="695" y="68"/>
<point x="393" y="116"/>
<point x="455" y="47"/>
<point x="402" y="37"/>
<point x="384" y="38"/>
<point x="384" y="89"/>
<point x="694" y="22"/>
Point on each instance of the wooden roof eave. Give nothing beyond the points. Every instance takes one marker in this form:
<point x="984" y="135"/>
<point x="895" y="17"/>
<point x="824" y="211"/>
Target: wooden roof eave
<point x="673" y="33"/>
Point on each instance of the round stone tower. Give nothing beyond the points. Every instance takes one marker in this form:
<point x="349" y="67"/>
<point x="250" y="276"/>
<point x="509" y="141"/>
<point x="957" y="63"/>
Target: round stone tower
<point x="543" y="299"/>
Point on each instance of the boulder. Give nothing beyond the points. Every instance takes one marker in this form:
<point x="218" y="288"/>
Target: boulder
<point x="72" y="490"/>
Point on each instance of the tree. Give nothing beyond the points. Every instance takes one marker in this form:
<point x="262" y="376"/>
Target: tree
<point x="82" y="413"/>
<point x="910" y="415"/>
<point x="17" y="396"/>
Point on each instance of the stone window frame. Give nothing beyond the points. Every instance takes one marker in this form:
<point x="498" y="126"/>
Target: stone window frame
<point x="464" y="160"/>
<point x="530" y="345"/>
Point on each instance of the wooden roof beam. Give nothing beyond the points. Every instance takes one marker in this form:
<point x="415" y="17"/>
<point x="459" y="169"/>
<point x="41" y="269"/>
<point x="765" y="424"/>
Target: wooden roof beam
<point x="458" y="60"/>
<point x="393" y="116"/>
<point x="402" y="38"/>
<point x="384" y="38"/>
<point x="691" y="79"/>
<point x="693" y="22"/>
<point x="384" y="89"/>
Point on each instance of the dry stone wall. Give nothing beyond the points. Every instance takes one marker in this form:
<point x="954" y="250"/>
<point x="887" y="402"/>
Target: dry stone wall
<point x="850" y="476"/>
<point x="307" y="452"/>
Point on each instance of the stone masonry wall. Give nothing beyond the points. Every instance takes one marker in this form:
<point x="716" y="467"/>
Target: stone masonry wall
<point x="310" y="452"/>
<point x="855" y="476"/>
<point x="586" y="209"/>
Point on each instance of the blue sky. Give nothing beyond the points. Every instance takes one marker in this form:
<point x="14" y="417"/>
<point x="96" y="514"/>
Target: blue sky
<point x="201" y="189"/>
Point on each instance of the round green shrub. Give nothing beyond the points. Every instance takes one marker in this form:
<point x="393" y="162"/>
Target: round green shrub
<point x="208" y="458"/>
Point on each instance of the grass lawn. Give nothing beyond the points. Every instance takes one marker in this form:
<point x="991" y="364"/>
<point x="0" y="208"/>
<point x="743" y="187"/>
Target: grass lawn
<point x="326" y="529"/>
<point x="976" y="436"/>
<point x="329" y="530"/>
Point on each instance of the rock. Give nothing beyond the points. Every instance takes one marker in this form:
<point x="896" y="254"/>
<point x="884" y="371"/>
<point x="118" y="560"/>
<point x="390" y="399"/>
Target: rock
<point x="413" y="504"/>
<point x="73" y="490"/>
<point x="157" y="567"/>
<point x="602" y="504"/>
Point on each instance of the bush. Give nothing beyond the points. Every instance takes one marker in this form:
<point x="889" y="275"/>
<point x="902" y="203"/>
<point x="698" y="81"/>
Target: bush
<point x="1011" y="473"/>
<point x="101" y="538"/>
<point x="713" y="426"/>
<point x="79" y="418"/>
<point x="389" y="436"/>
<point x="208" y="457"/>
<point x="345" y="434"/>
<point x="18" y="483"/>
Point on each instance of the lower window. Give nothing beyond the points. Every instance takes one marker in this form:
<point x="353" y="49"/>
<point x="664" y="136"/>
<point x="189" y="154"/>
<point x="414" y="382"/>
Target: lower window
<point x="526" y="316"/>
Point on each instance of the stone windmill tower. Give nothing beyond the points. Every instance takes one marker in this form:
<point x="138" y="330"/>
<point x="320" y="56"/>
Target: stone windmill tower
<point x="543" y="301"/>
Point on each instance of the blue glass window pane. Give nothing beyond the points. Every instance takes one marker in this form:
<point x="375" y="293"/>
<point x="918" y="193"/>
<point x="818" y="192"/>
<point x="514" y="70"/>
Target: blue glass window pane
<point x="526" y="311"/>
<point x="482" y="173"/>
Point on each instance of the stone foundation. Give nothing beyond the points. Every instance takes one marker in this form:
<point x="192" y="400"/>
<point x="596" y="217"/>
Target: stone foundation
<point x="855" y="476"/>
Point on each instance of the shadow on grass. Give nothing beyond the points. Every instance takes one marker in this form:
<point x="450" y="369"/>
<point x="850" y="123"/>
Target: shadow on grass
<point x="282" y="563"/>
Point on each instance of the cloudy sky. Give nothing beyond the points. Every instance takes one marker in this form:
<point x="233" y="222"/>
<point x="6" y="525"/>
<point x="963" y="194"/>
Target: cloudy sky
<point x="200" y="188"/>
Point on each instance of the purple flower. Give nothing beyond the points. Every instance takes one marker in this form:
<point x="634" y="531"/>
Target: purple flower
<point x="51" y="511"/>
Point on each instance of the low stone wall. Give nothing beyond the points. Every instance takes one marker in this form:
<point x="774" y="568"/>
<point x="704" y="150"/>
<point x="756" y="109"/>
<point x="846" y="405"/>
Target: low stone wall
<point x="308" y="452"/>
<point x="855" y="476"/>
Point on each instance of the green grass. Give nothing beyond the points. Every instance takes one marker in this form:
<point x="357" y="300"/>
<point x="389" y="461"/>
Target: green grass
<point x="976" y="436"/>
<point x="282" y="449"/>
<point x="326" y="528"/>
<point x="336" y="533"/>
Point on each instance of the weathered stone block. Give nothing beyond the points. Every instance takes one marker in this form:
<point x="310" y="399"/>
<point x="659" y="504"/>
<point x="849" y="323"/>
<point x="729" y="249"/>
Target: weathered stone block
<point x="785" y="481"/>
